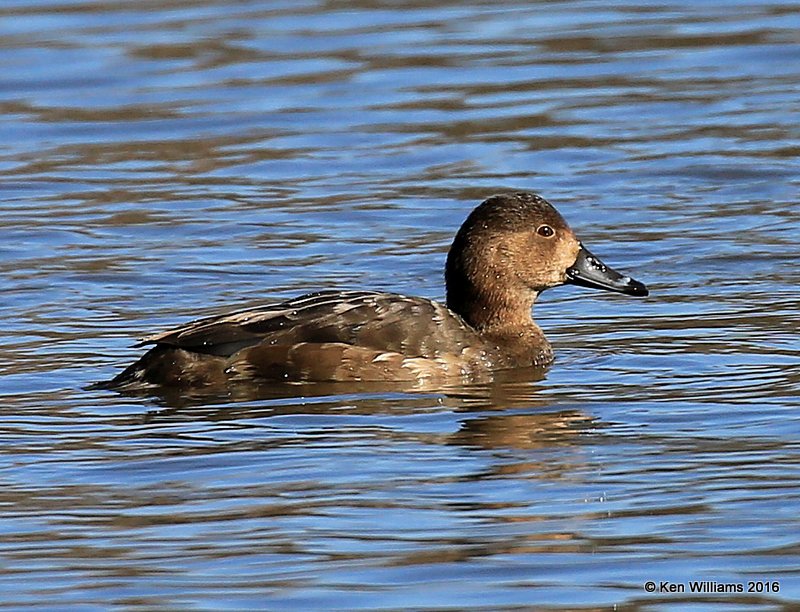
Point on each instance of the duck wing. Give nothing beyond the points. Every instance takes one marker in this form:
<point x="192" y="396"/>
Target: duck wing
<point x="388" y="322"/>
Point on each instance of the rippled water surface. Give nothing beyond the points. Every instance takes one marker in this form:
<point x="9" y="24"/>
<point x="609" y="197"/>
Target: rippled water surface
<point x="165" y="160"/>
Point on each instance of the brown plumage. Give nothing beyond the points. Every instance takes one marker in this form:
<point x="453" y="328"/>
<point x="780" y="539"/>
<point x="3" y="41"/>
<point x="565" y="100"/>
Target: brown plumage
<point x="510" y="248"/>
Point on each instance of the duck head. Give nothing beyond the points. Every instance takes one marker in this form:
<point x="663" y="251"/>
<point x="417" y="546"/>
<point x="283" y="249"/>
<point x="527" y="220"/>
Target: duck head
<point x="511" y="248"/>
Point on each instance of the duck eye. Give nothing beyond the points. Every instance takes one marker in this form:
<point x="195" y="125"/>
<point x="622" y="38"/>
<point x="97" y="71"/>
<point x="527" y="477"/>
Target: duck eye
<point x="545" y="230"/>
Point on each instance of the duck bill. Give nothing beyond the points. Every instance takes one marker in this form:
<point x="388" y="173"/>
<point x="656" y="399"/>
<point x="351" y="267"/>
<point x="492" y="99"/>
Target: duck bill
<point x="589" y="271"/>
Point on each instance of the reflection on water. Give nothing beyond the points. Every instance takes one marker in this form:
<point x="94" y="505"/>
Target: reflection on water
<point x="161" y="163"/>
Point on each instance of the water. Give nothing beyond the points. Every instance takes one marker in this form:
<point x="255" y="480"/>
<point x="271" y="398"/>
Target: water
<point x="161" y="161"/>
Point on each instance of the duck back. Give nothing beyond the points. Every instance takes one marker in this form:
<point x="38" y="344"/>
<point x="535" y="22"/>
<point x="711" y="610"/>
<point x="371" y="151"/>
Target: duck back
<point x="328" y="335"/>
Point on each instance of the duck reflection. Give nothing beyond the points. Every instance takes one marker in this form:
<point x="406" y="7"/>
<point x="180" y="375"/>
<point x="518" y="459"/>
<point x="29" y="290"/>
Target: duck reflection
<point x="512" y="412"/>
<point x="482" y="391"/>
<point x="524" y="431"/>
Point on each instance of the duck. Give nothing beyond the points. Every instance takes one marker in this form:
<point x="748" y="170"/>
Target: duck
<point x="510" y="248"/>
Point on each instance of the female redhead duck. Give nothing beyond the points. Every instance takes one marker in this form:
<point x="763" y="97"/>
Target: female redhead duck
<point x="511" y="248"/>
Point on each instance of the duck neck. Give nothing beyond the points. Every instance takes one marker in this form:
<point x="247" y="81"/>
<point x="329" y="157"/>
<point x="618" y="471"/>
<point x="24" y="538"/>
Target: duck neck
<point x="493" y="313"/>
<point x="501" y="313"/>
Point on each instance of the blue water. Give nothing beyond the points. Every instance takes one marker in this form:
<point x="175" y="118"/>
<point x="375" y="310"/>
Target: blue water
<point x="160" y="162"/>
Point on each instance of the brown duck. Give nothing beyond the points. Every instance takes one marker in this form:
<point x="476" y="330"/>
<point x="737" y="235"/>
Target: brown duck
<point x="511" y="248"/>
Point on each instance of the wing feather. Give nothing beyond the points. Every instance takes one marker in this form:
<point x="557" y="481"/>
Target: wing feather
<point x="381" y="321"/>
